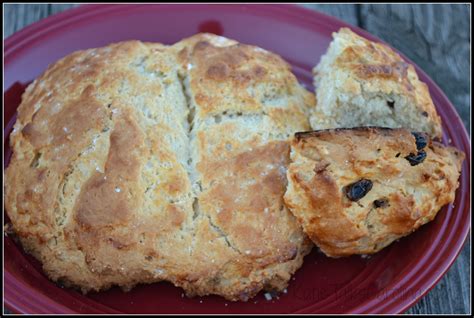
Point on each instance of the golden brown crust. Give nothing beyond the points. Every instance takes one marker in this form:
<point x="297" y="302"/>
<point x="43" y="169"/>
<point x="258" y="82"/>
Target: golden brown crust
<point x="129" y="168"/>
<point x="233" y="78"/>
<point x="402" y="196"/>
<point x="363" y="83"/>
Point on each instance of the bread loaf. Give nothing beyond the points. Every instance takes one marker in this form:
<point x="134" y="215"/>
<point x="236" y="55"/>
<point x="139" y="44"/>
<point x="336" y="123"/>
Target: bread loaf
<point x="139" y="162"/>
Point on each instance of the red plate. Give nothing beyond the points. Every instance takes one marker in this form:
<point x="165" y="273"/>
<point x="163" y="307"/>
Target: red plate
<point x="388" y="282"/>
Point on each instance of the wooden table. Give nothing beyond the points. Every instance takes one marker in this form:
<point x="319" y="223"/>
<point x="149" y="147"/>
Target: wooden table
<point x="436" y="37"/>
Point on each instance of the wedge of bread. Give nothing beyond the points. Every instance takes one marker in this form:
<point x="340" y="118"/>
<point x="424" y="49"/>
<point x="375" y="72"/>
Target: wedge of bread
<point x="357" y="190"/>
<point x="140" y="162"/>
<point x="362" y="83"/>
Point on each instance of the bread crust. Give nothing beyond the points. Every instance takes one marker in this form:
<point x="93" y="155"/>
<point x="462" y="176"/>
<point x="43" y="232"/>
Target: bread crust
<point x="123" y="172"/>
<point x="400" y="197"/>
<point x="363" y="83"/>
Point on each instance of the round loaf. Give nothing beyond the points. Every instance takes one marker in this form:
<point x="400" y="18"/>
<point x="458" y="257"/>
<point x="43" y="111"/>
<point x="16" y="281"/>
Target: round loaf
<point x="140" y="162"/>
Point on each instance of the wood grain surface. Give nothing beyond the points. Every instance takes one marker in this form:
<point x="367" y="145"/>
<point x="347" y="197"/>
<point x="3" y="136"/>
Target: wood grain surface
<point x="435" y="36"/>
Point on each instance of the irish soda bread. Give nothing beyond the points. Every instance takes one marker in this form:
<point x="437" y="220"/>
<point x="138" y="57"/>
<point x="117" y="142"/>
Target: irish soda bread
<point x="362" y="83"/>
<point x="357" y="190"/>
<point x="140" y="162"/>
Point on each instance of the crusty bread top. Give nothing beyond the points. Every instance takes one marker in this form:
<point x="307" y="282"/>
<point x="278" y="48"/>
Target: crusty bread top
<point x="140" y="162"/>
<point x="229" y="78"/>
<point x="355" y="68"/>
<point x="399" y="196"/>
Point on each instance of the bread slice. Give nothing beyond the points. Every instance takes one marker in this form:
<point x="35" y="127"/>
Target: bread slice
<point x="140" y="162"/>
<point x="363" y="83"/>
<point x="357" y="190"/>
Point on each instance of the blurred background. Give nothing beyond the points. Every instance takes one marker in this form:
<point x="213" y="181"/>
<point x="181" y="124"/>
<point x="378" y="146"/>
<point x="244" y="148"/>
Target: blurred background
<point x="435" y="36"/>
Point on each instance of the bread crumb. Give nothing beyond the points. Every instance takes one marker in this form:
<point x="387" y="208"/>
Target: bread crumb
<point x="257" y="49"/>
<point x="220" y="40"/>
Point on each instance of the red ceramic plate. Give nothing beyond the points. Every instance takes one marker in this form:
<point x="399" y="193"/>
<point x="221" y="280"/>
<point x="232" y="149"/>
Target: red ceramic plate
<point x="388" y="282"/>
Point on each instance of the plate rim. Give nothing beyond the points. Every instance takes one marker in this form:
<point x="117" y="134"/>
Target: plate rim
<point x="22" y="38"/>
